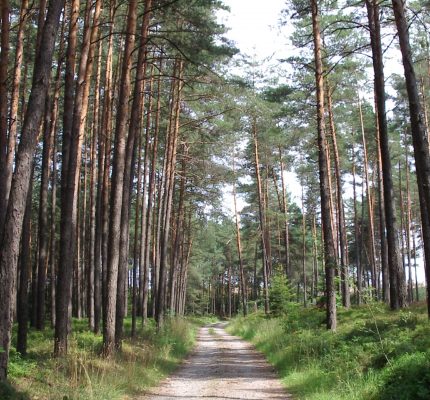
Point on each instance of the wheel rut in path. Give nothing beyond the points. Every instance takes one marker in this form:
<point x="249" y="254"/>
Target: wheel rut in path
<point x="221" y="367"/>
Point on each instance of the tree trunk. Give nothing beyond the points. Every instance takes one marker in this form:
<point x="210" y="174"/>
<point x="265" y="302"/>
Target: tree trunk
<point x="169" y="183"/>
<point x="6" y="180"/>
<point x="150" y="211"/>
<point x="25" y="268"/>
<point x="372" y="258"/>
<point x="305" y="299"/>
<point x="70" y="181"/>
<point x="4" y="62"/>
<point x="329" y="248"/>
<point x="261" y="208"/>
<point x="104" y="139"/>
<point x="239" y="250"/>
<point x="116" y="198"/>
<point x="343" y="243"/>
<point x="357" y="236"/>
<point x="397" y="289"/>
<point x="419" y="137"/>
<point x="24" y="161"/>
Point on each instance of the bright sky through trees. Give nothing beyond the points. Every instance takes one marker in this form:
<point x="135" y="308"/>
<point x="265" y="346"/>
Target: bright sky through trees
<point x="253" y="26"/>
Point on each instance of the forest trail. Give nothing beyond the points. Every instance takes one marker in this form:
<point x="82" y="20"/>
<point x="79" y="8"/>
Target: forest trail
<point x="221" y="367"/>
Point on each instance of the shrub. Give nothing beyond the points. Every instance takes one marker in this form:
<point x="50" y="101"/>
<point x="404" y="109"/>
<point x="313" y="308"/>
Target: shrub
<point x="280" y="295"/>
<point x="408" y="378"/>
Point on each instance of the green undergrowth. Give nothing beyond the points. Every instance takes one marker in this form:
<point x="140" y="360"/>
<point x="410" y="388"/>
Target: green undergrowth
<point x="84" y="374"/>
<point x="376" y="354"/>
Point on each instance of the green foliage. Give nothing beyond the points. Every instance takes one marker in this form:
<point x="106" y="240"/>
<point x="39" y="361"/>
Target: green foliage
<point x="84" y="374"/>
<point x="407" y="379"/>
<point x="280" y="295"/>
<point x="375" y="354"/>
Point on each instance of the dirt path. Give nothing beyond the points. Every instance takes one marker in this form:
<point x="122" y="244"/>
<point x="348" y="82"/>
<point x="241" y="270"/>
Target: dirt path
<point x="221" y="367"/>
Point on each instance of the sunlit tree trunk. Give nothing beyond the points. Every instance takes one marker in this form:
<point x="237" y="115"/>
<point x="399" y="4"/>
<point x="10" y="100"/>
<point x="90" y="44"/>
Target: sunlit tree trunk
<point x="343" y="244"/>
<point x="357" y="234"/>
<point x="116" y="197"/>
<point x="6" y="179"/>
<point x="261" y="208"/>
<point x="239" y="250"/>
<point x="372" y="256"/>
<point x="4" y="63"/>
<point x="329" y="246"/>
<point x="129" y="166"/>
<point x="168" y="187"/>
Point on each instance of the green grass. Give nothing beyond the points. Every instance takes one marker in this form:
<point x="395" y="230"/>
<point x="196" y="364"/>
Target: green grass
<point x="84" y="374"/>
<point x="375" y="354"/>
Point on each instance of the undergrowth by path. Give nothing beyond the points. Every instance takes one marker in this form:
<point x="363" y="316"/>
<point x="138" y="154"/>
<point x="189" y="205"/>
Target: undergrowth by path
<point x="84" y="374"/>
<point x="376" y="354"/>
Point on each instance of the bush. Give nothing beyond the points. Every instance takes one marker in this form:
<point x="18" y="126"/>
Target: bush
<point x="280" y="295"/>
<point x="408" y="378"/>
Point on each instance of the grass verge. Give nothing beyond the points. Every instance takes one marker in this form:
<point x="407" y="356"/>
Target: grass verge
<point x="376" y="354"/>
<point x="83" y="374"/>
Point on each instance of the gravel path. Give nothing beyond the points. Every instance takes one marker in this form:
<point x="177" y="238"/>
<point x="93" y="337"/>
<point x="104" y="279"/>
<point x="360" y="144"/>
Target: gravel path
<point x="221" y="367"/>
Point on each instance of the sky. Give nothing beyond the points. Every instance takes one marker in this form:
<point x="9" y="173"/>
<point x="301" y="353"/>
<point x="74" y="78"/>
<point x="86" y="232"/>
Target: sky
<point x="254" y="26"/>
<point x="254" y="29"/>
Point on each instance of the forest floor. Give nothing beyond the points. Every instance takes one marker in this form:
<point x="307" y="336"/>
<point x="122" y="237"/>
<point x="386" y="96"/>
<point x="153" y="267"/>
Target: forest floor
<point x="83" y="374"/>
<point x="221" y="367"/>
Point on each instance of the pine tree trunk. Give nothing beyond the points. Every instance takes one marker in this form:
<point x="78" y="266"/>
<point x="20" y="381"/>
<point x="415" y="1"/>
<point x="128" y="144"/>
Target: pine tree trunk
<point x="44" y="242"/>
<point x="343" y="244"/>
<point x="70" y="180"/>
<point x="145" y="261"/>
<point x="6" y="179"/>
<point x="419" y="137"/>
<point x="329" y="247"/>
<point x="261" y="208"/>
<point x="25" y="268"/>
<point x="116" y="197"/>
<point x="372" y="257"/>
<point x="239" y="250"/>
<point x="305" y="299"/>
<point x="357" y="236"/>
<point x="397" y="288"/>
<point x="169" y="184"/>
<point x="18" y="196"/>
<point x="285" y="212"/>
<point x="100" y="269"/>
<point x="408" y="231"/>
<point x="4" y="62"/>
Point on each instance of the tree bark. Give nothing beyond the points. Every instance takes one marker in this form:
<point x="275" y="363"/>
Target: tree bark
<point x="419" y="137"/>
<point x="116" y="197"/>
<point x="4" y="61"/>
<point x="168" y="188"/>
<point x="25" y="268"/>
<point x="239" y="250"/>
<point x="343" y="243"/>
<point x="397" y="287"/>
<point x="329" y="248"/>
<point x="13" y="117"/>
<point x="21" y="179"/>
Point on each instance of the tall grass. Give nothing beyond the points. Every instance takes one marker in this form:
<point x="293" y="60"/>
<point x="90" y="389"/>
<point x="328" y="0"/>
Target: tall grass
<point x="368" y="358"/>
<point x="83" y="374"/>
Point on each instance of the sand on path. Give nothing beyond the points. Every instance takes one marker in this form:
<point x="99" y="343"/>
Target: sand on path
<point x="221" y="367"/>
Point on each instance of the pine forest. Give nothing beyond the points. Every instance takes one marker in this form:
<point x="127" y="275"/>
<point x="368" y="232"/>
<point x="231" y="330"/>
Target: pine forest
<point x="162" y="190"/>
